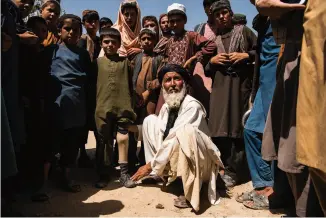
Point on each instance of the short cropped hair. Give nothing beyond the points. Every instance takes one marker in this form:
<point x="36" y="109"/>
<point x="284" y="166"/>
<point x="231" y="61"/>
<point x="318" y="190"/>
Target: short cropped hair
<point x="149" y="18"/>
<point x="90" y="16"/>
<point x="110" y="32"/>
<point x="129" y="5"/>
<point x="105" y="20"/>
<point x="207" y="3"/>
<point x="70" y="16"/>
<point x="149" y="32"/>
<point x="177" y="12"/>
<point x="48" y="2"/>
<point x="33" y="21"/>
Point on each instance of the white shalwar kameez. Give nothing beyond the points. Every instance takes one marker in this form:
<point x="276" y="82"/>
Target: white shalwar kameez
<point x="187" y="151"/>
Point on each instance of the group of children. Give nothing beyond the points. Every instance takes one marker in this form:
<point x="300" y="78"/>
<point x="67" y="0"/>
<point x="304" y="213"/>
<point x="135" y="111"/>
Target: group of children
<point x="71" y="83"/>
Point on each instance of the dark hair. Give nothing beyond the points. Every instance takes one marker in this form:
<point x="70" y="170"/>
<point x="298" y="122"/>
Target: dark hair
<point x="110" y="32"/>
<point x="149" y="32"/>
<point x="177" y="12"/>
<point x="207" y="3"/>
<point x="70" y="16"/>
<point x="129" y="5"/>
<point x="149" y="18"/>
<point x="48" y="2"/>
<point x="90" y="16"/>
<point x="33" y="21"/>
<point x="105" y="20"/>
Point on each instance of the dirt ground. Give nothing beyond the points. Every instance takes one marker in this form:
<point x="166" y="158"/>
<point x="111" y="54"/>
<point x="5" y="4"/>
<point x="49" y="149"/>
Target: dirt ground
<point x="122" y="202"/>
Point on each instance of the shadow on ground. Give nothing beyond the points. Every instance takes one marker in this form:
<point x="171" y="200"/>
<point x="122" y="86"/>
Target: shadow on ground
<point x="75" y="204"/>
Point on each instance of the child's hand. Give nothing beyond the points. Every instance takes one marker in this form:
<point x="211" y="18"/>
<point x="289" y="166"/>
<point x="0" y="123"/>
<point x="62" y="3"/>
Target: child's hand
<point x="189" y="61"/>
<point x="152" y="85"/>
<point x="28" y="38"/>
<point x="6" y="42"/>
<point x="133" y="51"/>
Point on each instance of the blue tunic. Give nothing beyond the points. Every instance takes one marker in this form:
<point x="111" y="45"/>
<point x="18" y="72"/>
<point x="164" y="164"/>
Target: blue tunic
<point x="69" y="71"/>
<point x="267" y="80"/>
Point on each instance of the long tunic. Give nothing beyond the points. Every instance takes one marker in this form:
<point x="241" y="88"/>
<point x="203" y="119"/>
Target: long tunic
<point x="311" y="109"/>
<point x="200" y="82"/>
<point x="69" y="71"/>
<point x="231" y="88"/>
<point x="279" y="141"/>
<point x="268" y="52"/>
<point x="187" y="149"/>
<point x="114" y="88"/>
<point x="145" y="70"/>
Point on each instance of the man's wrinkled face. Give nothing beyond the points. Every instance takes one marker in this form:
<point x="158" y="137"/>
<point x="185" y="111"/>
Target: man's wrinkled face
<point x="174" y="89"/>
<point x="164" y="23"/>
<point x="223" y="18"/>
<point x="172" y="82"/>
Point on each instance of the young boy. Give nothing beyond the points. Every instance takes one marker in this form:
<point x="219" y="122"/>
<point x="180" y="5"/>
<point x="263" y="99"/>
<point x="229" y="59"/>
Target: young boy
<point x="151" y="22"/>
<point x="50" y="11"/>
<point x="145" y="84"/>
<point x="105" y="22"/>
<point x="70" y="68"/>
<point x="113" y="107"/>
<point x="91" y="43"/>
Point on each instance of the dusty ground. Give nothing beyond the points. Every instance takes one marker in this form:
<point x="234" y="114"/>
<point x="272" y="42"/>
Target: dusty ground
<point x="119" y="201"/>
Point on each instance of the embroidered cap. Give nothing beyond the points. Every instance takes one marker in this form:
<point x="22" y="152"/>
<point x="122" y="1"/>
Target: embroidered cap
<point x="178" y="7"/>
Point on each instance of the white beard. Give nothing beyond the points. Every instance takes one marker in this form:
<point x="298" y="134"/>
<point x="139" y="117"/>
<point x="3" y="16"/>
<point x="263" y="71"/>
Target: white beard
<point x="174" y="99"/>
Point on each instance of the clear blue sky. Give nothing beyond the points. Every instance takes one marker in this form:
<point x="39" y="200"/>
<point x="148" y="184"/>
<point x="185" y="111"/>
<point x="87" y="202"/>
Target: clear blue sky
<point x="195" y="11"/>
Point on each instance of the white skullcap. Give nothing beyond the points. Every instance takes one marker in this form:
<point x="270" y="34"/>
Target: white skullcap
<point x="177" y="6"/>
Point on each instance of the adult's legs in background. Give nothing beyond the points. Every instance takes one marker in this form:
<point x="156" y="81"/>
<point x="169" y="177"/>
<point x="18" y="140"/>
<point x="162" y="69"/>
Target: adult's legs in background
<point x="234" y="158"/>
<point x="319" y="180"/>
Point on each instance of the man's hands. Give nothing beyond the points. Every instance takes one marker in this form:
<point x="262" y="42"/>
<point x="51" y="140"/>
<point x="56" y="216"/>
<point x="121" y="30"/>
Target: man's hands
<point x="133" y="51"/>
<point x="236" y="57"/>
<point x="275" y="8"/>
<point x="28" y="38"/>
<point x="142" y="172"/>
<point x="220" y="59"/>
<point x="232" y="58"/>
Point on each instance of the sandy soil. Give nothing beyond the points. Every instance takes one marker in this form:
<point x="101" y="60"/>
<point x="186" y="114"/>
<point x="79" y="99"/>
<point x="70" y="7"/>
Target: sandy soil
<point x="119" y="201"/>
